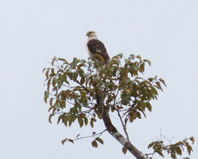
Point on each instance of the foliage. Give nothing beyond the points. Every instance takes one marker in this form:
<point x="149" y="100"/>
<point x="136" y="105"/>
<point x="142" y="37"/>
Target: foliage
<point x="172" y="149"/>
<point x="72" y="90"/>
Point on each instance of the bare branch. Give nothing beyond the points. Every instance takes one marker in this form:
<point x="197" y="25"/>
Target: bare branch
<point x="93" y="135"/>
<point x="123" y="124"/>
<point x="84" y="87"/>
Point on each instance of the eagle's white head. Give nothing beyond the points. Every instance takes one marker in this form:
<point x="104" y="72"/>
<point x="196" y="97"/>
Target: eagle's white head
<point x="91" y="35"/>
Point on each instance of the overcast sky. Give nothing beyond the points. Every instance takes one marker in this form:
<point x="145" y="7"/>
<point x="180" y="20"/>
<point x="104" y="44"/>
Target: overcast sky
<point x="33" y="31"/>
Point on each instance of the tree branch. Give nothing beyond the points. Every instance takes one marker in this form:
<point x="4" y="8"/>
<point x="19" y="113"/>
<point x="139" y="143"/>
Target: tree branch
<point x="84" y="87"/>
<point x="123" y="125"/>
<point x="119" y="137"/>
<point x="114" y="132"/>
<point x="96" y="134"/>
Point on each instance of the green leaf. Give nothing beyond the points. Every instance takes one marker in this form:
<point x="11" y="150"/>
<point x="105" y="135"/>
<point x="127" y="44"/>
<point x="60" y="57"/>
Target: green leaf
<point x="82" y="81"/>
<point x="44" y="70"/>
<point x="94" y="144"/>
<point x="133" y="116"/>
<point x="70" y="140"/>
<point x="50" y="117"/>
<point x="159" y="151"/>
<point x="51" y="102"/>
<point x="147" y="61"/>
<point x="192" y="139"/>
<point x="139" y="57"/>
<point x="80" y="121"/>
<point x="161" y="80"/>
<point x="74" y="63"/>
<point x="48" y="84"/>
<point x="63" y="141"/>
<point x="189" y="148"/>
<point x="53" y="60"/>
<point x="77" y="135"/>
<point x="124" y="149"/>
<point x="46" y="96"/>
<point x="85" y="120"/>
<point x="54" y="82"/>
<point x="151" y="144"/>
<point x="135" y="67"/>
<point x="173" y="155"/>
<point x="62" y="59"/>
<point x="99" y="140"/>
<point x="60" y="118"/>
<point x="47" y="73"/>
<point x="138" y="115"/>
<point x="70" y="121"/>
<point x="142" y="67"/>
<point x="148" y="105"/>
<point x="80" y="65"/>
<point x="132" y="56"/>
<point x="159" y="86"/>
<point x="92" y="122"/>
<point x="178" y="150"/>
<point x="65" y="120"/>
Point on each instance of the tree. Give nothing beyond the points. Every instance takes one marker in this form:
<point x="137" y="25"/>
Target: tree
<point x="87" y="91"/>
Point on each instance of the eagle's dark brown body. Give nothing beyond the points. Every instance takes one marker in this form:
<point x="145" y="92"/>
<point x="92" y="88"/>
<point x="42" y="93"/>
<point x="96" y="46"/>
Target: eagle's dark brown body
<point x="97" y="48"/>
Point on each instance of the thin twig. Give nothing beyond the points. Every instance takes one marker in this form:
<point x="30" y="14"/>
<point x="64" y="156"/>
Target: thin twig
<point x="97" y="134"/>
<point x="123" y="125"/>
<point x="84" y="87"/>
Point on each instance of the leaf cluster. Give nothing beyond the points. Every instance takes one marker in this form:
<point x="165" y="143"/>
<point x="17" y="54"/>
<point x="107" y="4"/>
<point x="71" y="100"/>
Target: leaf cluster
<point x="173" y="150"/>
<point x="75" y="86"/>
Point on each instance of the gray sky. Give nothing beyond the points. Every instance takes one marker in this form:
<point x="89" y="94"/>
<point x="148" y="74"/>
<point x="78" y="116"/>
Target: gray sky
<point x="33" y="31"/>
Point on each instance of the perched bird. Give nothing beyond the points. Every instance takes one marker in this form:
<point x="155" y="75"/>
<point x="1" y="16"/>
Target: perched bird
<point x="96" y="48"/>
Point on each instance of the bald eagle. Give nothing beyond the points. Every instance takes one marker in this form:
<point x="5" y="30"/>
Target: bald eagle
<point x="96" y="48"/>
